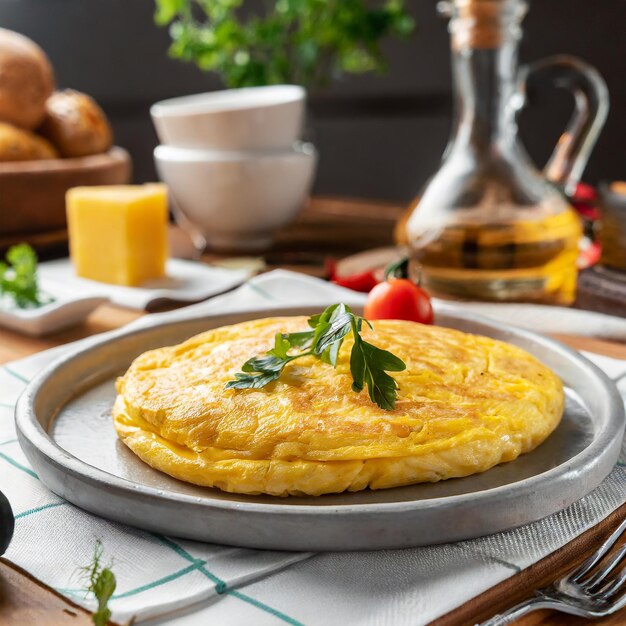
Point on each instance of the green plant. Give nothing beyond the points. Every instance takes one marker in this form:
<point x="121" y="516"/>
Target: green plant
<point x="99" y="581"/>
<point x="18" y="277"/>
<point x="368" y="364"/>
<point x="305" y="42"/>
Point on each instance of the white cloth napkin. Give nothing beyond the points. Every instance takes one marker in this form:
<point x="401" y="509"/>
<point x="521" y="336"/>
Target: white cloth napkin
<point x="186" y="281"/>
<point x="166" y="580"/>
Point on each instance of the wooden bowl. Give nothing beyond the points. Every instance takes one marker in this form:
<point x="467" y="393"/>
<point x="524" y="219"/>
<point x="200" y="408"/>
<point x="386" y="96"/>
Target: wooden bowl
<point x="32" y="193"/>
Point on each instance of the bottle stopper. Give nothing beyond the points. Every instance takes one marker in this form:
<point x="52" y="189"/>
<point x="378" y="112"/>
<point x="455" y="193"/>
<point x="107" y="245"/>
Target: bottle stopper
<point x="483" y="24"/>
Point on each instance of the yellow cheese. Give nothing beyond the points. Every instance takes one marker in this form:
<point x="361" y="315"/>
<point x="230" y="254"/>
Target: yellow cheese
<point x="118" y="233"/>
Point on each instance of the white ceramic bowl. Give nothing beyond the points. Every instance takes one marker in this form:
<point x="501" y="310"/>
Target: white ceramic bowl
<point x="255" y="118"/>
<point x="237" y="200"/>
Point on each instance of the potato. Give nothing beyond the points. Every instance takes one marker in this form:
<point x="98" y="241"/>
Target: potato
<point x="17" y="144"/>
<point x="26" y="80"/>
<point x="76" y="125"/>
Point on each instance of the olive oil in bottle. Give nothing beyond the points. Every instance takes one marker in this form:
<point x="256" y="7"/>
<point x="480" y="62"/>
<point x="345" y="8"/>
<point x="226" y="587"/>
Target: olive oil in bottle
<point x="488" y="225"/>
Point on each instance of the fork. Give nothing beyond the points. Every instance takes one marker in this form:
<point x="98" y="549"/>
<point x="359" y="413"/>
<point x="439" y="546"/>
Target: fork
<point x="588" y="591"/>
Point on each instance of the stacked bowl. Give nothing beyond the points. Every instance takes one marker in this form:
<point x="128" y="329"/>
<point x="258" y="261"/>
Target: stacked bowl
<point x="234" y="164"/>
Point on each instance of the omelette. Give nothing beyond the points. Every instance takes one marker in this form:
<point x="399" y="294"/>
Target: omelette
<point x="465" y="404"/>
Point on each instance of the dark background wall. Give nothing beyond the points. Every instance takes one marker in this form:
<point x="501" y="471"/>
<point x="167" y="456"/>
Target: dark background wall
<point x="379" y="136"/>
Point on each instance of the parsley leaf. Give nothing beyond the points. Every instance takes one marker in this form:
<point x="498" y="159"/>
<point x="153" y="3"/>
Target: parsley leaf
<point x="262" y="370"/>
<point x="334" y="330"/>
<point x="357" y="369"/>
<point x="253" y="381"/>
<point x="383" y="359"/>
<point x="300" y="340"/>
<point x="368" y="364"/>
<point x="18" y="277"/>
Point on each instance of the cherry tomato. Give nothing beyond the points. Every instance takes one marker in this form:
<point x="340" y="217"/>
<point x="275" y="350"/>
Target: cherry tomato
<point x="399" y="299"/>
<point x="361" y="281"/>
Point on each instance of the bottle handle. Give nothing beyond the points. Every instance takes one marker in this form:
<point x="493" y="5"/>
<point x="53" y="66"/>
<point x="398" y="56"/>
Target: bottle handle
<point x="569" y="158"/>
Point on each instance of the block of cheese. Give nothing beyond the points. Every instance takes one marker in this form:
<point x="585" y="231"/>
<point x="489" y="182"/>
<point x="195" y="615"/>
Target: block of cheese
<point x="118" y="233"/>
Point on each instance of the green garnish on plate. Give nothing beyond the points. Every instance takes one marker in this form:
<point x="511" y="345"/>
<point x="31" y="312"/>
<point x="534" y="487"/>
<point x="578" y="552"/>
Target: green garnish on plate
<point x="18" y="278"/>
<point x="368" y="364"/>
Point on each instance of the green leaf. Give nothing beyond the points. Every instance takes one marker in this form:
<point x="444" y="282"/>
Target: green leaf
<point x="167" y="10"/>
<point x="368" y="363"/>
<point x="331" y="354"/>
<point x="300" y="340"/>
<point x="18" y="277"/>
<point x="324" y="316"/>
<point x="267" y="363"/>
<point x="330" y="326"/>
<point x="334" y="331"/>
<point x="357" y="367"/>
<point x="359" y="61"/>
<point x="382" y="388"/>
<point x="281" y="346"/>
<point x="384" y="359"/>
<point x="22" y="255"/>
<point x="398" y="269"/>
<point x="101" y="583"/>
<point x="253" y="381"/>
<point x="306" y="42"/>
<point x="103" y="589"/>
<point x="314" y="320"/>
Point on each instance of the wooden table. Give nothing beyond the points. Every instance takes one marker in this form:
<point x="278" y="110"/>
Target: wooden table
<point x="327" y="228"/>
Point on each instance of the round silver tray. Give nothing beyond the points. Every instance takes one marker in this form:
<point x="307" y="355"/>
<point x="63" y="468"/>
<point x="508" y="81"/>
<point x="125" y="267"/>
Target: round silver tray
<point x="65" y="429"/>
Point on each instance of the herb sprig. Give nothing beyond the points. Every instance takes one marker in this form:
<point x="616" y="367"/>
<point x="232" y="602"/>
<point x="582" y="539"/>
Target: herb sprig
<point x="100" y="581"/>
<point x="368" y="364"/>
<point x="18" y="277"/>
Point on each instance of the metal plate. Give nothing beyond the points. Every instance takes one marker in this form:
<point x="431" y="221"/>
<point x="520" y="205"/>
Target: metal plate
<point x="65" y="429"/>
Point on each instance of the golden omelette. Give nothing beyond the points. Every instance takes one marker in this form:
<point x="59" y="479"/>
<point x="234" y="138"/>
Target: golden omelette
<point x="465" y="404"/>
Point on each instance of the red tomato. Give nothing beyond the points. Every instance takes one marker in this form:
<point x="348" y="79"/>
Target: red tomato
<point x="399" y="299"/>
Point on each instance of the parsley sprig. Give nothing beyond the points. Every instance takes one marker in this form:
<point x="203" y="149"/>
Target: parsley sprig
<point x="368" y="364"/>
<point x="18" y="277"/>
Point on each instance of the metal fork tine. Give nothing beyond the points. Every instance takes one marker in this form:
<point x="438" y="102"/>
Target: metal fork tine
<point x="596" y="596"/>
<point x="613" y="586"/>
<point x="597" y="556"/>
<point x="617" y="603"/>
<point x="600" y="575"/>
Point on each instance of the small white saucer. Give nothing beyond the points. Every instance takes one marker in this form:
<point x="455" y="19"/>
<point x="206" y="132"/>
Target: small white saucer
<point x="186" y="281"/>
<point x="67" y="309"/>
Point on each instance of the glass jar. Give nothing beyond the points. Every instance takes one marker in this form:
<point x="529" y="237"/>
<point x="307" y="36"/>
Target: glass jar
<point x="488" y="224"/>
